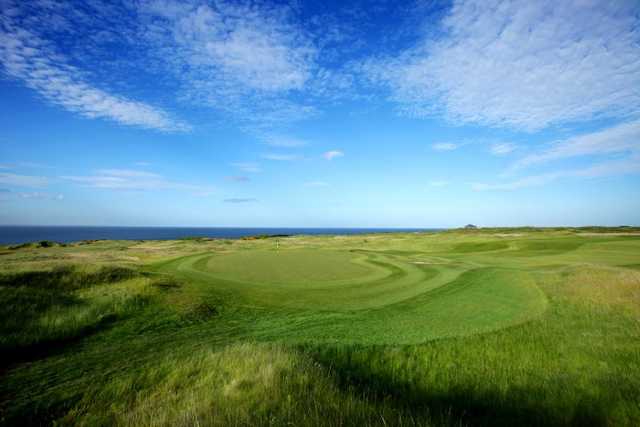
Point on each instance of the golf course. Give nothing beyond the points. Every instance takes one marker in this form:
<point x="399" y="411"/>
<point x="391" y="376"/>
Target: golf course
<point x="511" y="326"/>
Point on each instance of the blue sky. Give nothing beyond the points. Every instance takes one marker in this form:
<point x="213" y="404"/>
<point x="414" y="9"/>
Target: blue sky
<point x="320" y="114"/>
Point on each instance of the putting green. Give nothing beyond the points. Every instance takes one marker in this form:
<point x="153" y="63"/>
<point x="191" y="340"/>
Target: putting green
<point x="281" y="267"/>
<point x="362" y="296"/>
<point x="301" y="278"/>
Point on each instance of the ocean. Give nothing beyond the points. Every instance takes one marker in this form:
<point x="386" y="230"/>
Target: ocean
<point x="14" y="234"/>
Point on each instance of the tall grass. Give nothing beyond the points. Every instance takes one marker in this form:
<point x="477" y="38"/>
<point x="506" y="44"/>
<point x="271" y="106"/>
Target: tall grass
<point x="66" y="278"/>
<point x="42" y="310"/>
<point x="240" y="385"/>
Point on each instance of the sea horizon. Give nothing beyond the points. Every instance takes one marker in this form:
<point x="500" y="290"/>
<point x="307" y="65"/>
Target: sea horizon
<point x="18" y="234"/>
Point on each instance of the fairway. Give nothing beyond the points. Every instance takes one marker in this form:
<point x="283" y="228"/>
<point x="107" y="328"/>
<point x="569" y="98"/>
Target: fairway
<point x="420" y="329"/>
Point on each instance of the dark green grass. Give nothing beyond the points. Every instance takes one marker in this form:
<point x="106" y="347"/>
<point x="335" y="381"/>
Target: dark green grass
<point x="535" y="334"/>
<point x="66" y="278"/>
<point x="41" y="310"/>
<point x="545" y="247"/>
<point x="480" y="246"/>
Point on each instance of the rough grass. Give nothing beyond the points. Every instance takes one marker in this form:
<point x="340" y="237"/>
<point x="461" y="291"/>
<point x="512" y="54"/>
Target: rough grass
<point x="43" y="309"/>
<point x="543" y="332"/>
<point x="244" y="384"/>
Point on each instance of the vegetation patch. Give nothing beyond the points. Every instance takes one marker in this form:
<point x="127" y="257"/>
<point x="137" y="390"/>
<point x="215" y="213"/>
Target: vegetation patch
<point x="480" y="246"/>
<point x="549" y="246"/>
<point x="67" y="278"/>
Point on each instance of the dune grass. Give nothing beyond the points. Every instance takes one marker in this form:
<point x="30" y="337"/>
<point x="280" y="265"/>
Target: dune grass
<point x="47" y="307"/>
<point x="496" y="327"/>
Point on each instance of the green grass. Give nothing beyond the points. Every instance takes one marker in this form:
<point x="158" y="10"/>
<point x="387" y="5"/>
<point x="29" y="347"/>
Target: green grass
<point x="482" y="327"/>
<point x="479" y="246"/>
<point x="49" y="307"/>
<point x="282" y="267"/>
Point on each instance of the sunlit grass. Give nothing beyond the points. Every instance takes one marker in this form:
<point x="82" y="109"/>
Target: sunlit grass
<point x="517" y="332"/>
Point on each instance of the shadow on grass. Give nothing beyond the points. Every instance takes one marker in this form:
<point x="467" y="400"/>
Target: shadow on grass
<point x="46" y="347"/>
<point x="66" y="278"/>
<point x="474" y="404"/>
<point x="29" y="297"/>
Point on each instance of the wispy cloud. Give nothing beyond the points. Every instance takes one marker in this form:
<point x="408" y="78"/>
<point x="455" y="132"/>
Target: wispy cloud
<point x="607" y="168"/>
<point x="6" y="194"/>
<point x="23" y="180"/>
<point x="26" y="56"/>
<point x="244" y="59"/>
<point x="253" y="62"/>
<point x="444" y="146"/>
<point x="617" y="139"/>
<point x="128" y="173"/>
<point x="502" y="148"/>
<point x="284" y="141"/>
<point x="521" y="64"/>
<point x="255" y="46"/>
<point x="125" y="179"/>
<point x="281" y="157"/>
<point x="622" y="140"/>
<point x="249" y="167"/>
<point x="40" y="196"/>
<point x="240" y="200"/>
<point x="24" y="165"/>
<point x="330" y="155"/>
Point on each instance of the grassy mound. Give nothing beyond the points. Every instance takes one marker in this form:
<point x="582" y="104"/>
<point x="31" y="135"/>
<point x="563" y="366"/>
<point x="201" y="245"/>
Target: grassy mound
<point x="477" y="301"/>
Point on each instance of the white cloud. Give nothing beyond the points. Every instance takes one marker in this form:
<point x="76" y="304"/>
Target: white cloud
<point x="502" y="148"/>
<point x="444" y="146"/>
<point x="125" y="179"/>
<point x="27" y="57"/>
<point x="33" y="195"/>
<point x="281" y="157"/>
<point x="23" y="180"/>
<point x="617" y="139"/>
<point x="522" y="64"/>
<point x="242" y="59"/>
<point x="623" y="140"/>
<point x="254" y="62"/>
<point x="608" y="168"/>
<point x="128" y="173"/>
<point x="330" y="155"/>
<point x="249" y="45"/>
<point x="284" y="141"/>
<point x="40" y="196"/>
<point x="249" y="167"/>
